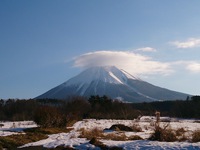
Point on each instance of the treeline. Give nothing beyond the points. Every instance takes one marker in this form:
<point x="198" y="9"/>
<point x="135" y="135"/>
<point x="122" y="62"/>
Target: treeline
<point x="52" y="112"/>
<point x="189" y="108"/>
<point x="14" y="110"/>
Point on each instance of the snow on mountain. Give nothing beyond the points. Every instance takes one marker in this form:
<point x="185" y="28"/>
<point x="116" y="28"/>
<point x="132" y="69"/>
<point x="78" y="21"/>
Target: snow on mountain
<point x="113" y="82"/>
<point x="105" y="74"/>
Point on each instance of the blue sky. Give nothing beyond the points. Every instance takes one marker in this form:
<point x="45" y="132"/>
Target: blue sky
<point x="43" y="43"/>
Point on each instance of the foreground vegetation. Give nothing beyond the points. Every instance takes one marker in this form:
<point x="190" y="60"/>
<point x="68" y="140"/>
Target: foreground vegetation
<point x="160" y="133"/>
<point x="29" y="135"/>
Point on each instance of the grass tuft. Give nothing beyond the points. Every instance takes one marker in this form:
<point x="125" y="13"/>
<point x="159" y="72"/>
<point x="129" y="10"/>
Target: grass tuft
<point x="163" y="134"/>
<point x="134" y="137"/>
<point x="196" y="136"/>
<point x="89" y="134"/>
<point x="116" y="137"/>
<point x="98" y="134"/>
<point x="180" y="131"/>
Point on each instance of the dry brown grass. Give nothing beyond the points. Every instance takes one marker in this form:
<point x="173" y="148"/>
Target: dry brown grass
<point x="46" y="130"/>
<point x="134" y="137"/>
<point x="89" y="134"/>
<point x="98" y="134"/>
<point x="196" y="136"/>
<point x="13" y="141"/>
<point x="180" y="134"/>
<point x="163" y="134"/>
<point x="116" y="137"/>
<point x="180" y="131"/>
<point x="169" y="135"/>
<point x="32" y="135"/>
<point x="136" y="127"/>
<point x="121" y="137"/>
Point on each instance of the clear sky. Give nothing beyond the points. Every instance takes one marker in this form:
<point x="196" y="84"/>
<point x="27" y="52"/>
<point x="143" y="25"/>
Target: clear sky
<point x="43" y="43"/>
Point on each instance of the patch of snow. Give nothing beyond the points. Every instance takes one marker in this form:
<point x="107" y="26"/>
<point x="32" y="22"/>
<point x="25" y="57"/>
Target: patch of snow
<point x="72" y="139"/>
<point x="112" y="75"/>
<point x="128" y="75"/>
<point x="16" y="127"/>
<point x="108" y="74"/>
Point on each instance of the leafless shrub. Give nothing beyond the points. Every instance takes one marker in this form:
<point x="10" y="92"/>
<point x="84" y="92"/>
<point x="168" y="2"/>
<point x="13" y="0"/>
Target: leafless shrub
<point x="163" y="134"/>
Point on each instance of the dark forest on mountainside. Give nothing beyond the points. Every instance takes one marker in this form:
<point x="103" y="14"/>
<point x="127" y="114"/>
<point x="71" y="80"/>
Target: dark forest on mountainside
<point x="52" y="112"/>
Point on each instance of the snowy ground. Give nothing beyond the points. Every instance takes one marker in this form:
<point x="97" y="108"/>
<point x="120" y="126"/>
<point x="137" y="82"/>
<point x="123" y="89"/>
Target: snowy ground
<point x="9" y="128"/>
<point x="71" y="139"/>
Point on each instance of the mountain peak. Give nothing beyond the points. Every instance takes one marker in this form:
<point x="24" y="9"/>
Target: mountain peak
<point x="113" y="82"/>
<point x="108" y="74"/>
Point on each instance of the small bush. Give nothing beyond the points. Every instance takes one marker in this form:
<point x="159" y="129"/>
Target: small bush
<point x="196" y="136"/>
<point x="163" y="134"/>
<point x="49" y="116"/>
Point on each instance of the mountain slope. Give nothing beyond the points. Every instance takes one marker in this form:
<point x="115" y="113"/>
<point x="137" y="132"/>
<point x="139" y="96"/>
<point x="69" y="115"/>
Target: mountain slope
<point x="114" y="83"/>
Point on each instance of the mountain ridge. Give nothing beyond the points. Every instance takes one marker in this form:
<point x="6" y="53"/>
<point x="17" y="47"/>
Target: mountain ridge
<point x="113" y="82"/>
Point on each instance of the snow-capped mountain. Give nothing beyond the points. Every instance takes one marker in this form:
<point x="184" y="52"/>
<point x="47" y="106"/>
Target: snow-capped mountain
<point x="114" y="83"/>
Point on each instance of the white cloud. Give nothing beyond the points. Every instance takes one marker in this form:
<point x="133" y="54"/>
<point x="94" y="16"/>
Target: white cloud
<point x="129" y="61"/>
<point x="147" y="49"/>
<point x="194" y="67"/>
<point x="190" y="43"/>
<point x="191" y="66"/>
